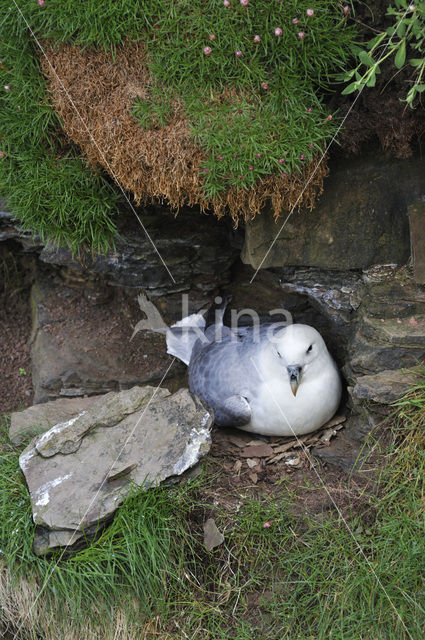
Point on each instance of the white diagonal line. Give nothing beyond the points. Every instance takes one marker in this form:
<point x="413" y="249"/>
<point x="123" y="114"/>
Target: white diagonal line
<point x="313" y="466"/>
<point x="319" y="163"/>
<point x="40" y="46"/>
<point x="47" y="578"/>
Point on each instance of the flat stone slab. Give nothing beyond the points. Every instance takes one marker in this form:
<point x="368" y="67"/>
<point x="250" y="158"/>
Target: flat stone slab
<point x="79" y="348"/>
<point x="417" y="239"/>
<point x="384" y="387"/>
<point x="79" y="471"/>
<point x="41" y="417"/>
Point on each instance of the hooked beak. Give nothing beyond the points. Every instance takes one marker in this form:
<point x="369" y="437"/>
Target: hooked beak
<point x="294" y="377"/>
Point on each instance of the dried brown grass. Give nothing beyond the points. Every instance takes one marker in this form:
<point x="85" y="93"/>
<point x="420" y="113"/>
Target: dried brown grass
<point x="93" y="92"/>
<point x="21" y="611"/>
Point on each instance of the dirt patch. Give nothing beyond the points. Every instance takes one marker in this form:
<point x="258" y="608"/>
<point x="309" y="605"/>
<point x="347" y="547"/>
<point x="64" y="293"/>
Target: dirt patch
<point x="15" y="362"/>
<point x="251" y="466"/>
<point x="159" y="163"/>
<point x="15" y="328"/>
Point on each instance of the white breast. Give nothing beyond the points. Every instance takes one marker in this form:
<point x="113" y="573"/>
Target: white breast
<point x="277" y="412"/>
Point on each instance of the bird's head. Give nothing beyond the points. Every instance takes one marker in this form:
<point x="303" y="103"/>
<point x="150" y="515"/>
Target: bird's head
<point x="299" y="349"/>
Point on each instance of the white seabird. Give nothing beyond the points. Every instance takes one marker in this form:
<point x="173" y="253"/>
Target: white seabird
<point x="278" y="382"/>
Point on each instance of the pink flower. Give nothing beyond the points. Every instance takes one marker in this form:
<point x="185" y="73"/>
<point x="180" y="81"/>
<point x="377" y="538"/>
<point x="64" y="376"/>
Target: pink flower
<point x="301" y="35"/>
<point x="240" y="176"/>
<point x="226" y="3"/>
<point x="264" y="86"/>
<point x="266" y="525"/>
<point x="302" y="156"/>
<point x="220" y="158"/>
<point x="282" y="161"/>
<point x="238" y="53"/>
<point x="287" y="100"/>
<point x="211" y="37"/>
<point x="310" y="144"/>
<point x="206" y="170"/>
<point x="244" y="3"/>
<point x="278" y="31"/>
<point x="251" y="168"/>
<point x="295" y="21"/>
<point x="40" y="3"/>
<point x="346" y="10"/>
<point x="207" y="51"/>
<point x="329" y="118"/>
<point x="309" y="110"/>
<point x="257" y="39"/>
<point x="285" y="175"/>
<point x="258" y="155"/>
<point x="240" y="111"/>
<point x="7" y="87"/>
<point x="236" y="156"/>
<point x="310" y="13"/>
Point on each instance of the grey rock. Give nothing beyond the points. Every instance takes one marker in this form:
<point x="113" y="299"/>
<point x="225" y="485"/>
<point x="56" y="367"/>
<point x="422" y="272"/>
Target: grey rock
<point x="391" y="292"/>
<point x="196" y="249"/>
<point x="212" y="536"/>
<point x="10" y="230"/>
<point x="417" y="239"/>
<point x="79" y="471"/>
<point x="41" y="417"/>
<point x="344" y="452"/>
<point x="389" y="323"/>
<point x="384" y="387"/>
<point x="360" y="220"/>
<point x="82" y="349"/>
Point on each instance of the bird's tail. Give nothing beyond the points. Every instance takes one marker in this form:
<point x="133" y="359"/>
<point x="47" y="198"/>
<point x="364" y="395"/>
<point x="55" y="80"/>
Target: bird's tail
<point x="182" y="336"/>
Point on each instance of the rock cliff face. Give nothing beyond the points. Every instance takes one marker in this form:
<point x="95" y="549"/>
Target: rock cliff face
<point x="360" y="220"/>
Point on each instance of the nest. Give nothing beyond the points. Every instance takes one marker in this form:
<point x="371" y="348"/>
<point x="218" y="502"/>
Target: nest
<point x="93" y="93"/>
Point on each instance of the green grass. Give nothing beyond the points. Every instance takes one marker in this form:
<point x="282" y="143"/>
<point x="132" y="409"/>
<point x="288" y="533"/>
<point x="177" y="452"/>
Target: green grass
<point x="46" y="184"/>
<point x="317" y="580"/>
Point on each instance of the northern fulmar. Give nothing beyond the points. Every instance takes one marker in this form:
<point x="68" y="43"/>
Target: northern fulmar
<point x="269" y="380"/>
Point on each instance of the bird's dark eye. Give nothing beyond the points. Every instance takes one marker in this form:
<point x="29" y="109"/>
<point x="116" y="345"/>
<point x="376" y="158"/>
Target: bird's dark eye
<point x="310" y="348"/>
<point x="278" y="354"/>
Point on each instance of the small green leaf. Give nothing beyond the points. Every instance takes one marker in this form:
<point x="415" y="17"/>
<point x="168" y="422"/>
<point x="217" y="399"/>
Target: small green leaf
<point x="366" y="59"/>
<point x="375" y="41"/>
<point x="419" y="88"/>
<point x="416" y="62"/>
<point x="372" y="80"/>
<point x="401" y="55"/>
<point x="401" y="28"/>
<point x="351" y="88"/>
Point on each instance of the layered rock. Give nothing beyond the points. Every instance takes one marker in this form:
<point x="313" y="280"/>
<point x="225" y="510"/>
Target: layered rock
<point x="360" y="220"/>
<point x="79" y="348"/>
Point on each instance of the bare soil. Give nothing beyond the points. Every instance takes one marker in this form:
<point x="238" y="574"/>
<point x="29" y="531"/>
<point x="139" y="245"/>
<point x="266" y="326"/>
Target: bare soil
<point x="15" y="328"/>
<point x="15" y="362"/>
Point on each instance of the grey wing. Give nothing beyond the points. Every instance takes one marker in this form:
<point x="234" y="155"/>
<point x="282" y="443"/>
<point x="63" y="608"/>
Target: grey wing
<point x="218" y="374"/>
<point x="234" y="412"/>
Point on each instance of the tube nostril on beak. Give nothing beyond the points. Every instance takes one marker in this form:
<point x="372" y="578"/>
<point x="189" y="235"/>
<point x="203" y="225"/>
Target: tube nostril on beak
<point x="294" y="372"/>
